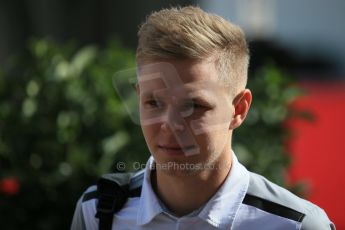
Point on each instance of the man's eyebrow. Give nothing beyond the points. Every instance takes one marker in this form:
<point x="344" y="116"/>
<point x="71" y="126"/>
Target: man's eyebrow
<point x="202" y="100"/>
<point x="199" y="95"/>
<point x="147" y="94"/>
<point x="150" y="95"/>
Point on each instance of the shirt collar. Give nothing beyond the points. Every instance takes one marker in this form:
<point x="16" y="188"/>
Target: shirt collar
<point x="219" y="211"/>
<point x="149" y="206"/>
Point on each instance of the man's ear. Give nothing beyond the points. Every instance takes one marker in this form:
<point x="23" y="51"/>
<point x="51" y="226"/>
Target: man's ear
<point x="241" y="104"/>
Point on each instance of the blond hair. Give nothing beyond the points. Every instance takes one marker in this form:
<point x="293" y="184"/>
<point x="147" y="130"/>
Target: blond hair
<point x="191" y="33"/>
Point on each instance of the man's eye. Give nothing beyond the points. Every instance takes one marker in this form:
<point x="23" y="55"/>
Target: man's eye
<point x="194" y="105"/>
<point x="191" y="108"/>
<point x="153" y="104"/>
<point x="198" y="106"/>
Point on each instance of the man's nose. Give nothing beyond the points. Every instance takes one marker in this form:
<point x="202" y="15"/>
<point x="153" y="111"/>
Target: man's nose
<point x="173" y="121"/>
<point x="175" y="125"/>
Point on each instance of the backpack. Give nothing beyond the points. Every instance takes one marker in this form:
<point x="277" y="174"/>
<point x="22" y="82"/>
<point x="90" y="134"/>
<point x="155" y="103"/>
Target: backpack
<point x="113" y="190"/>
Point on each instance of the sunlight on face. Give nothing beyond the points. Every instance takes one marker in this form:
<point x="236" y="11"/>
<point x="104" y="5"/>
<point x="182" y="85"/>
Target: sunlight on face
<point x="185" y="113"/>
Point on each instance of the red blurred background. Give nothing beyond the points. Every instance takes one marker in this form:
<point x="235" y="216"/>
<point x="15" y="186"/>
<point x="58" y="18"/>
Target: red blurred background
<point x="318" y="147"/>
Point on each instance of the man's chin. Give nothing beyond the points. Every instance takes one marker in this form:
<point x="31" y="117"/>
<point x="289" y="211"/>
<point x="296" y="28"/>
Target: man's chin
<point x="177" y="167"/>
<point x="180" y="172"/>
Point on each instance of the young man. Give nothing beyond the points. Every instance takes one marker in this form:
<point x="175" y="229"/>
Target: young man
<point x="192" y="74"/>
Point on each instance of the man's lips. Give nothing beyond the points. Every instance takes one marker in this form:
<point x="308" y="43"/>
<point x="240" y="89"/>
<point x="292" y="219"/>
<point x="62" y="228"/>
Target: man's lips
<point x="177" y="150"/>
<point x="175" y="147"/>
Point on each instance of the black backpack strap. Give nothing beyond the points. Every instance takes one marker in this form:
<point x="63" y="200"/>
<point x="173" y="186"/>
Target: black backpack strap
<point x="111" y="199"/>
<point x="113" y="191"/>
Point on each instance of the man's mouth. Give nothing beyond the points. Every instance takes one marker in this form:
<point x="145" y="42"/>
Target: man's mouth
<point x="175" y="149"/>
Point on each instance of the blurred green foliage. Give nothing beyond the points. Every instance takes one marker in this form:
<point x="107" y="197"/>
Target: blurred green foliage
<point x="261" y="142"/>
<point x="62" y="125"/>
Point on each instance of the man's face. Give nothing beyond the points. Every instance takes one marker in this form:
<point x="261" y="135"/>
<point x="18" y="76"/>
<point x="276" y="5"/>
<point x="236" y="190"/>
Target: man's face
<point x="185" y="113"/>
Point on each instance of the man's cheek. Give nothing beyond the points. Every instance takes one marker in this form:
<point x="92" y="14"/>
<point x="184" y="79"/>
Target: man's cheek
<point x="203" y="126"/>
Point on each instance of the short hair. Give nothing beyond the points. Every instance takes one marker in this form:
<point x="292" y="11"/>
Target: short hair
<point x="191" y="33"/>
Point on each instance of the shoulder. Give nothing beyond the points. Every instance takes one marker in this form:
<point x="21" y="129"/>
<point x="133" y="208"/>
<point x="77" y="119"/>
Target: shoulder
<point x="86" y="207"/>
<point x="277" y="200"/>
<point x="78" y="222"/>
<point x="85" y="210"/>
<point x="132" y="182"/>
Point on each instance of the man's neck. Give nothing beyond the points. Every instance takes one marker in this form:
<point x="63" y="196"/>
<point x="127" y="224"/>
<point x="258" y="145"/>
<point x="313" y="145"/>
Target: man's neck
<point x="184" y="194"/>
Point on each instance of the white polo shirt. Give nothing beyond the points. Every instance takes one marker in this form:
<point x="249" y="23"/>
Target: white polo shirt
<point x="245" y="201"/>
